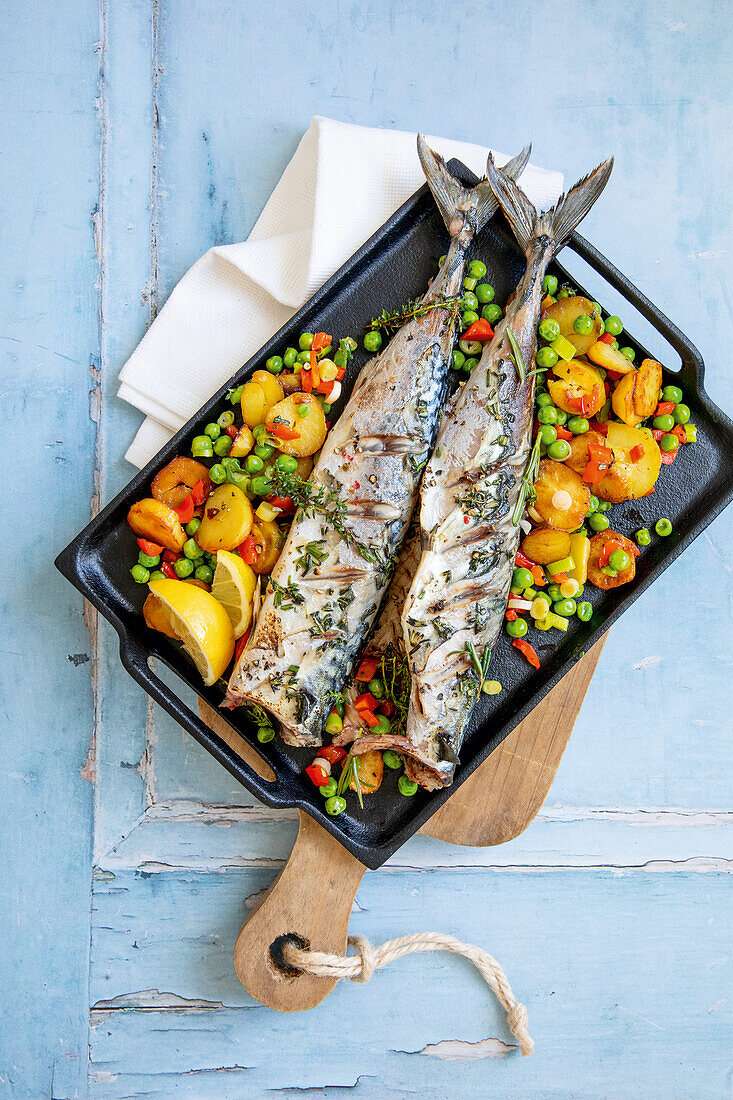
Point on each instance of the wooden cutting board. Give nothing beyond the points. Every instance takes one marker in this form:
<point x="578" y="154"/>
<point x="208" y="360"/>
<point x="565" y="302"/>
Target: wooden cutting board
<point x="313" y="895"/>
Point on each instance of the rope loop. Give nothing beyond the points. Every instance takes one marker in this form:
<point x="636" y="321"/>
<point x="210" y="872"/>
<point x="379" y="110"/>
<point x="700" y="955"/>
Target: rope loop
<point x="360" y="967"/>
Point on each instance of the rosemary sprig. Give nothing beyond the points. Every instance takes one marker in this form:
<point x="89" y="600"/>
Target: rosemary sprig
<point x="516" y="354"/>
<point x="390" y="322"/>
<point x="311" y="553"/>
<point x="350" y="772"/>
<point x="289" y="592"/>
<point x="528" y="479"/>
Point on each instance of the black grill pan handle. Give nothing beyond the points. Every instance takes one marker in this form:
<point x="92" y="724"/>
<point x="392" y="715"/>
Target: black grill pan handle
<point x="692" y="362"/>
<point x="135" y="660"/>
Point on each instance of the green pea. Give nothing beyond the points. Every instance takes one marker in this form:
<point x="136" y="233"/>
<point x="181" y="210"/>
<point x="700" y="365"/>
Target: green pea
<point x="563" y="294"/>
<point x="584" y="611"/>
<point x="265" y="734"/>
<point x="562" y="416"/>
<point x="193" y="524"/>
<point x="469" y="301"/>
<point x="192" y="549"/>
<point x="681" y="414"/>
<point x="643" y="536"/>
<point x="583" y="324"/>
<point x="183" y="567"/>
<point x="158" y="575"/>
<point x="566" y="608"/>
<point x="522" y="578"/>
<point x="222" y="446"/>
<point x="140" y="574"/>
<point x="458" y="360"/>
<point x="470" y="364"/>
<point x="549" y="329"/>
<point x="213" y="431"/>
<point x="469" y="317"/>
<point x="204" y="573"/>
<point x="376" y="687"/>
<point x="548" y="434"/>
<point x="303" y="411"/>
<point x="259" y="430"/>
<point x="339" y="708"/>
<point x="263" y="450"/>
<point x="560" y="450"/>
<point x="335" y="805"/>
<point x="201" y="447"/>
<point x="218" y="475"/>
<point x="328" y="790"/>
<point x="492" y="313"/>
<point x="235" y="396"/>
<point x="598" y="522"/>
<point x="629" y="353"/>
<point x="392" y="759"/>
<point x="669" y="442"/>
<point x="384" y="726"/>
<point x="614" y="326"/>
<point x="554" y="593"/>
<point x="253" y="464"/>
<point x="469" y="283"/>
<point x="477" y="268"/>
<point x="373" y="341"/>
<point x="290" y="357"/>
<point x="619" y="560"/>
<point x="672" y="393"/>
<point x="546" y="358"/>
<point x="261" y="486"/>
<point x="517" y="629"/>
<point x="604" y="506"/>
<point x="663" y="423"/>
<point x="286" y="463"/>
<point x="303" y="357"/>
<point x="148" y="561"/>
<point x="578" y="425"/>
<point x="547" y="414"/>
<point x="593" y="506"/>
<point x="406" y="786"/>
<point x="305" y="340"/>
<point x="544" y="399"/>
<point x="485" y="293"/>
<point x="274" y="364"/>
<point x="549" y="284"/>
<point x="226" y="419"/>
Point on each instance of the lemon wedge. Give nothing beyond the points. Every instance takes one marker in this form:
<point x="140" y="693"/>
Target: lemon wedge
<point x="233" y="586"/>
<point x="201" y="623"/>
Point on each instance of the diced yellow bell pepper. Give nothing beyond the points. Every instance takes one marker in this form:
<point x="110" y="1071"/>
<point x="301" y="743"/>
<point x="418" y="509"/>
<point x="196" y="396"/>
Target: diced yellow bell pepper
<point x="563" y="347"/>
<point x="580" y="553"/>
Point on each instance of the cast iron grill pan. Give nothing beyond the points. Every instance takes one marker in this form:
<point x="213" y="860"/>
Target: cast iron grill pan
<point x="394" y="265"/>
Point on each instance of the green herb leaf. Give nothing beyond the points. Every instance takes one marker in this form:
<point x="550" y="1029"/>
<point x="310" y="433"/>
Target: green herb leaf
<point x="516" y="354"/>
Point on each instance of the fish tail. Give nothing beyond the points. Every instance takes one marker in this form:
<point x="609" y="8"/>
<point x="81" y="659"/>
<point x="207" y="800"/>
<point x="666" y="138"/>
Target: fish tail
<point x="463" y="208"/>
<point x="560" y="220"/>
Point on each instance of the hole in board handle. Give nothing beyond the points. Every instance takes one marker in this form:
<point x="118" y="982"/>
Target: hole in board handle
<point x="278" y="966"/>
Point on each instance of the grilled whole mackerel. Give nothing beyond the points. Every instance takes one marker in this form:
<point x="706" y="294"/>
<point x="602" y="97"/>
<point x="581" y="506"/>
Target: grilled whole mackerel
<point x="330" y="578"/>
<point x="473" y="495"/>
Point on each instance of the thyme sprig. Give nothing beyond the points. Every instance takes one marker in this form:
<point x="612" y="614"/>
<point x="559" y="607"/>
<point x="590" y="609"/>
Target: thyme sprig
<point x="395" y="674"/>
<point x="315" y="499"/>
<point x="391" y="322"/>
<point x="517" y="354"/>
<point x="526" y="488"/>
<point x="480" y="664"/>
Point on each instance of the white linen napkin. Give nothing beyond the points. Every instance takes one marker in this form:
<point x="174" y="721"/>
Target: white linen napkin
<point x="343" y="182"/>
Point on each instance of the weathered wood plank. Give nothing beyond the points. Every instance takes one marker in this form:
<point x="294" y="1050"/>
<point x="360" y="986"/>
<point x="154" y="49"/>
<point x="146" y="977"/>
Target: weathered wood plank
<point x="607" y="963"/>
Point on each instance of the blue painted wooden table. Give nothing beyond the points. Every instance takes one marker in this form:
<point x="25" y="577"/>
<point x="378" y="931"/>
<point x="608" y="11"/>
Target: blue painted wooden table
<point x="136" y="134"/>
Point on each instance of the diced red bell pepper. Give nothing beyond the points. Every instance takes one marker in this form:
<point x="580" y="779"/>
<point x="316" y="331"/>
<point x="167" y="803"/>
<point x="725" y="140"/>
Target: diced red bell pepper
<point x="664" y="408"/>
<point x="232" y="431"/>
<point x="368" y="718"/>
<point x="599" y="426"/>
<point x="285" y="504"/>
<point x="321" y="340"/>
<point x="198" y="493"/>
<point x="171" y="556"/>
<point x="538" y="574"/>
<point x="607" y="338"/>
<point x="606" y="388"/>
<point x="316" y="775"/>
<point x="668" y="457"/>
<point x="658" y="433"/>
<point x="340" y="372"/>
<point x="558" y="578"/>
<point x="241" y="643"/>
<point x="169" y="571"/>
<point x="601" y="458"/>
<point x="248" y="550"/>
<point x="367" y="669"/>
<point x="680" y="432"/>
<point x="367" y="701"/>
<point x="636" y="453"/>
<point x="607" y="549"/>
<point x="563" y="433"/>
<point x="511" y="615"/>
<point x="614" y="375"/>
<point x="283" y="431"/>
<point x="480" y="330"/>
<point x="184" y="511"/>
<point x="306" y="379"/>
<point x="527" y="651"/>
<point x="332" y="753"/>
<point x="149" y="547"/>
<point x="387" y="708"/>
<point x="525" y="562"/>
<point x="325" y="387"/>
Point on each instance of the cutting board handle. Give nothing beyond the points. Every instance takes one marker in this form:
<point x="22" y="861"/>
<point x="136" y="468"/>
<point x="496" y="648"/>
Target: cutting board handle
<point x="309" y="901"/>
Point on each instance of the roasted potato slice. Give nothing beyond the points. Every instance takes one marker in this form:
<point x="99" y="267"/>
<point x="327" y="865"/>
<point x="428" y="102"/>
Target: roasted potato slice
<point x="577" y="388"/>
<point x="227" y="519"/>
<point x="153" y="519"/>
<point x="562" y="497"/>
<point x="566" y="311"/>
<point x="622" y="400"/>
<point x="269" y="540"/>
<point x="290" y="383"/>
<point x="609" y="358"/>
<point x="595" y="574"/>
<point x="370" y="767"/>
<point x="254" y="404"/>
<point x="546" y="544"/>
<point x="616" y="484"/>
<point x="308" y="432"/>
<point x="270" y="385"/>
<point x="242" y="443"/>
<point x="175" y="481"/>
<point x="647" y="387"/>
<point x="641" y="474"/>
